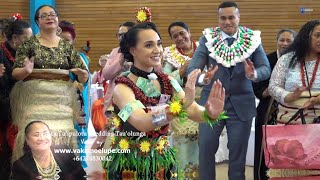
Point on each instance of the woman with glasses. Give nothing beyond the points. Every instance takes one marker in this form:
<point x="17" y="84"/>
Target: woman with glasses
<point x="44" y="62"/>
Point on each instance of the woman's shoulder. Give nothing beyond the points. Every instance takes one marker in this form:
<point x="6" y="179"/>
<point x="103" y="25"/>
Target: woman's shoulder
<point x="23" y="160"/>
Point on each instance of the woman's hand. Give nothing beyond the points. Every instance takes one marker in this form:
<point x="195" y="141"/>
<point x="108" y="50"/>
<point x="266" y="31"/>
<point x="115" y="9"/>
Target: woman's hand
<point x="190" y="88"/>
<point x="215" y="102"/>
<point x="2" y="70"/>
<point x="28" y="64"/>
<point x="311" y="102"/>
<point x="294" y="95"/>
<point x="209" y="74"/>
<point x="82" y="74"/>
<point x="183" y="69"/>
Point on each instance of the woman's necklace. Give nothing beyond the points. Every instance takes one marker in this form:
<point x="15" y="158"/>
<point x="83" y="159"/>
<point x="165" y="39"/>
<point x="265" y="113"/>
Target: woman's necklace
<point x="7" y="53"/>
<point x="314" y="73"/>
<point x="189" y="53"/>
<point x="140" y="73"/>
<point x="50" y="171"/>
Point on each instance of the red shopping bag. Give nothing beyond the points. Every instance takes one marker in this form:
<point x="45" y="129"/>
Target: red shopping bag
<point x="292" y="146"/>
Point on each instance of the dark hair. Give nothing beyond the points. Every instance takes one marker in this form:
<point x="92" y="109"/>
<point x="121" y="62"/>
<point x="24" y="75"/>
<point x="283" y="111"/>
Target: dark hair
<point x="37" y="14"/>
<point x="128" y="24"/>
<point x="27" y="129"/>
<point x="14" y="27"/>
<point x="178" y="23"/>
<point x="67" y="26"/>
<point x="130" y="38"/>
<point x="301" y="44"/>
<point x="292" y="32"/>
<point x="228" y="4"/>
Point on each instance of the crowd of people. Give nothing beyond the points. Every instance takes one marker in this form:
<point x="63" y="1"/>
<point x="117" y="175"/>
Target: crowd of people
<point x="163" y="108"/>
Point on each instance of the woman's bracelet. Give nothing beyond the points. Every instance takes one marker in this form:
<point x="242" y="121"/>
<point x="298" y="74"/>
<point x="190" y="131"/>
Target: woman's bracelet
<point x="177" y="109"/>
<point x="213" y="122"/>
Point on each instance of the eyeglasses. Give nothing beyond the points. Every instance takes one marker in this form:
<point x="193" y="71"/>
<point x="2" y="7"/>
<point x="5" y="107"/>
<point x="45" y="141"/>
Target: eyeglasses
<point x="45" y="15"/>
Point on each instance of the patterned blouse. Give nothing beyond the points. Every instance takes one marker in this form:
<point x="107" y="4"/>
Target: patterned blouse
<point x="65" y="56"/>
<point x="284" y="79"/>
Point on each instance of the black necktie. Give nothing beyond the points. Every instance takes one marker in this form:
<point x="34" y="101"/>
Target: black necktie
<point x="230" y="41"/>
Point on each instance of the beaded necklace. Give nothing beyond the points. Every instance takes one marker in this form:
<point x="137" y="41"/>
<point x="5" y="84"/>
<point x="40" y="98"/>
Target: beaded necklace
<point x="7" y="53"/>
<point x="50" y="171"/>
<point x="314" y="73"/>
<point x="190" y="53"/>
<point x="174" y="56"/>
<point x="247" y="42"/>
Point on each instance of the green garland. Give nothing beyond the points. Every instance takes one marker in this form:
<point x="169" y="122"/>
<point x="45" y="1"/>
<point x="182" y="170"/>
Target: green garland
<point x="213" y="122"/>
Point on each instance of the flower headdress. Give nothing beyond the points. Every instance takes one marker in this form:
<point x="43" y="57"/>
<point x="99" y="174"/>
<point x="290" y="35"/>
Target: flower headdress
<point x="143" y="15"/>
<point x="16" y="16"/>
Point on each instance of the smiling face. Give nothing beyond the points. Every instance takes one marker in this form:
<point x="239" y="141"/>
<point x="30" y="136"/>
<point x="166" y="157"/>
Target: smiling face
<point x="48" y="18"/>
<point x="38" y="137"/>
<point x="180" y="36"/>
<point x="148" y="50"/>
<point x="229" y="19"/>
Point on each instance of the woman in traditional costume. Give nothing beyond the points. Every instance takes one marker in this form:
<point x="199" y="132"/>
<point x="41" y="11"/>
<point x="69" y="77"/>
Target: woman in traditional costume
<point x="43" y="63"/>
<point x="145" y="102"/>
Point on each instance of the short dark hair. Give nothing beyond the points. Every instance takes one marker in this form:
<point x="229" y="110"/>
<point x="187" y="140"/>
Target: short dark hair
<point x="16" y="27"/>
<point x="36" y="15"/>
<point x="130" y="38"/>
<point x="228" y="4"/>
<point x="67" y="26"/>
<point x="178" y="23"/>
<point x="294" y="34"/>
<point x="28" y="127"/>
<point x="128" y="24"/>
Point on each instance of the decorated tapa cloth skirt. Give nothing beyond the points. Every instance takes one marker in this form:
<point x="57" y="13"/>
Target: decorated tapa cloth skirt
<point x="54" y="102"/>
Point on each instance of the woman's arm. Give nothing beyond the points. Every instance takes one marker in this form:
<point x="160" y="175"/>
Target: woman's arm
<point x="141" y="120"/>
<point x="23" y="72"/>
<point x="114" y="65"/>
<point x="278" y="79"/>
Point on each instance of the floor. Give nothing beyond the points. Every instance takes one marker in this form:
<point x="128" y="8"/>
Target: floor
<point x="222" y="171"/>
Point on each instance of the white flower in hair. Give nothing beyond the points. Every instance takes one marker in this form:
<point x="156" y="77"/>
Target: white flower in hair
<point x="152" y="76"/>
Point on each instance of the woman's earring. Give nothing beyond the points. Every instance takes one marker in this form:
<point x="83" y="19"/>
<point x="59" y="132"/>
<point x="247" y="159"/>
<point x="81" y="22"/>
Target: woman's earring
<point x="59" y="31"/>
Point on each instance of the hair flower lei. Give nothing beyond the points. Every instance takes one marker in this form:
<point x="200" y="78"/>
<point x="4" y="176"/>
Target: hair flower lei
<point x="16" y="16"/>
<point x="177" y="108"/>
<point x="143" y="15"/>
